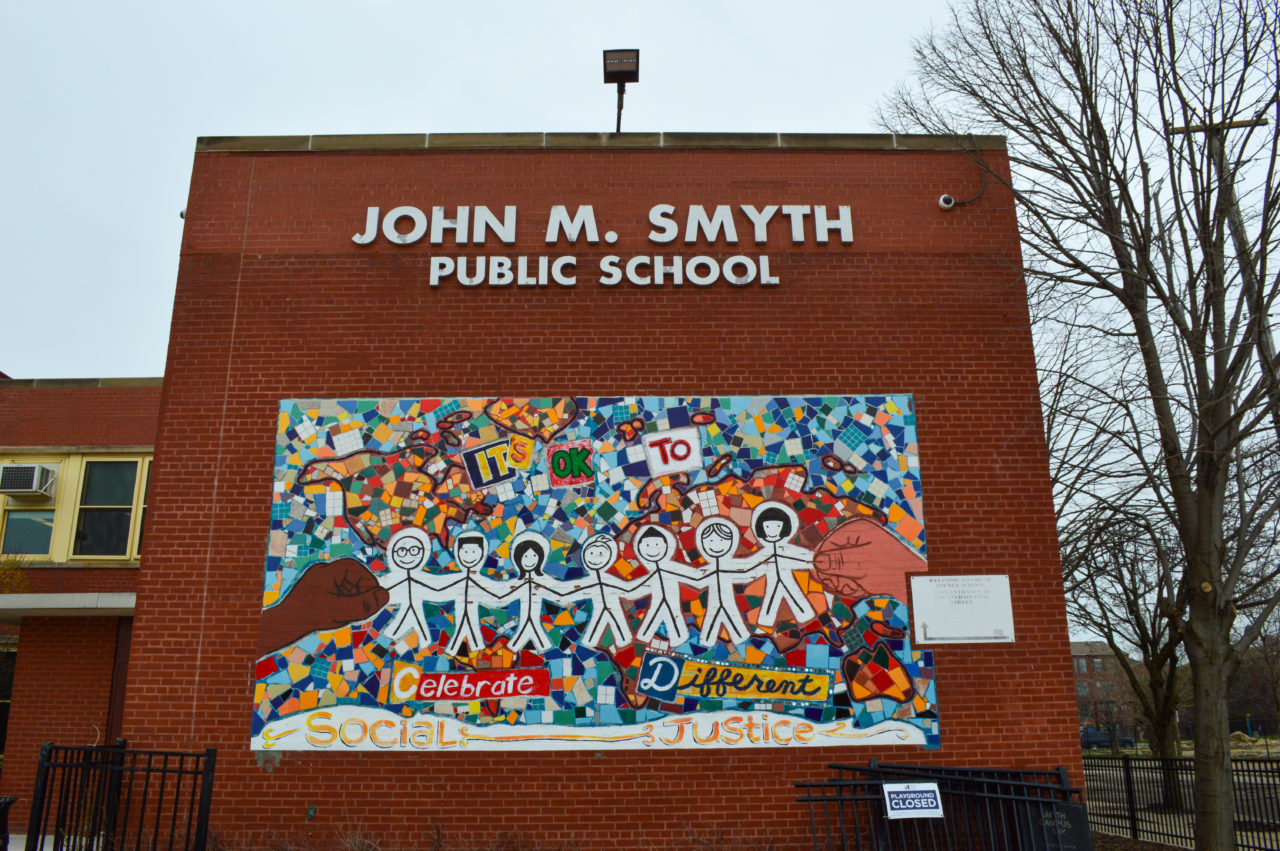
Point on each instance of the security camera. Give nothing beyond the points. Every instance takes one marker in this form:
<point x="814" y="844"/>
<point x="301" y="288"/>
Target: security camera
<point x="946" y="202"/>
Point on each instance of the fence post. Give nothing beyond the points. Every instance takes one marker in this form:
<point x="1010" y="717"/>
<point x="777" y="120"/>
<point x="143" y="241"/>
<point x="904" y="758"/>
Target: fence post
<point x="1131" y="799"/>
<point x="206" y="799"/>
<point x="111" y="809"/>
<point x="37" y="797"/>
<point x="1273" y="811"/>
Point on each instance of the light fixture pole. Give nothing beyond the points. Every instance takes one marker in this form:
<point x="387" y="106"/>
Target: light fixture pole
<point x="621" y="67"/>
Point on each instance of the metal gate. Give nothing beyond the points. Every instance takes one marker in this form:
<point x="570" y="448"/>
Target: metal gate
<point x="983" y="810"/>
<point x="110" y="798"/>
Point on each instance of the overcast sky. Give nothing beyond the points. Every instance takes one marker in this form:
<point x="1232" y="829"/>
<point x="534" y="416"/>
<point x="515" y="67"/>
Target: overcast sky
<point x="101" y="104"/>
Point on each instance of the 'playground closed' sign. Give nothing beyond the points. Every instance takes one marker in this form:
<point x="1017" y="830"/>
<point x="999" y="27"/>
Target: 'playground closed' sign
<point x="912" y="800"/>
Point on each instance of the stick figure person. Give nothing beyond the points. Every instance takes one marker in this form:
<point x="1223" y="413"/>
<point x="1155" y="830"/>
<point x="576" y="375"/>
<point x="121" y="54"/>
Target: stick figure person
<point x="654" y="546"/>
<point x="471" y="589"/>
<point x="598" y="555"/>
<point x="407" y="552"/>
<point x="529" y="552"/>
<point x="774" y="524"/>
<point x="717" y="541"/>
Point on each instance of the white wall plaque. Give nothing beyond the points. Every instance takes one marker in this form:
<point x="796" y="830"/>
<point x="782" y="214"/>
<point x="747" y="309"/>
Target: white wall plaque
<point x="961" y="609"/>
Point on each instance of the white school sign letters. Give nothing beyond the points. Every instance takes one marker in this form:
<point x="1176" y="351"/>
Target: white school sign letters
<point x="721" y="224"/>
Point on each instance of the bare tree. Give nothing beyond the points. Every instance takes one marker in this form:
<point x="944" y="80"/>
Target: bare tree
<point x="1256" y="691"/>
<point x="1120" y="559"/>
<point x="1269" y="659"/>
<point x="1145" y="173"/>
<point x="1269" y="663"/>
<point x="1121" y="582"/>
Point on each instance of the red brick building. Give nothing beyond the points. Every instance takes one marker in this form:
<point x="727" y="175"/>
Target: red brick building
<point x="856" y="282"/>
<point x="76" y="548"/>
<point x="1104" y="695"/>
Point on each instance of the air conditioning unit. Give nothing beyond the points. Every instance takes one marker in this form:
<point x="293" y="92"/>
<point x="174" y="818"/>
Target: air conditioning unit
<point x="28" y="479"/>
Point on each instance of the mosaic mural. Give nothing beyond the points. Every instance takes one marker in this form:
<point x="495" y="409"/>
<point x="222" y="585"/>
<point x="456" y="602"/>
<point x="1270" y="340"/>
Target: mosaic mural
<point x="593" y="572"/>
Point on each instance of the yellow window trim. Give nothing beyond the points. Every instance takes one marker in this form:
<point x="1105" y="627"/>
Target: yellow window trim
<point x="66" y="504"/>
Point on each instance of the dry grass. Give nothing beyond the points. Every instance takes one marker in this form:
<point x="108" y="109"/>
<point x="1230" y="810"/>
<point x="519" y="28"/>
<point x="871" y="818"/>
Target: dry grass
<point x="1108" y="842"/>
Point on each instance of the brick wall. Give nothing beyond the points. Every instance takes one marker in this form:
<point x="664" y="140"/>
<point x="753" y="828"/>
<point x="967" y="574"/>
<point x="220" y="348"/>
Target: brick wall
<point x="79" y="412"/>
<point x="81" y="580"/>
<point x="61" y="694"/>
<point x="274" y="300"/>
<point x="62" y="681"/>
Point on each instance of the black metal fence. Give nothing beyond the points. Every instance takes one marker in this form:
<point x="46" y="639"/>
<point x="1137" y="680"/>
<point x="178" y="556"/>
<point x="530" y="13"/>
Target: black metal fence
<point x="983" y="810"/>
<point x="1151" y="798"/>
<point x="111" y="798"/>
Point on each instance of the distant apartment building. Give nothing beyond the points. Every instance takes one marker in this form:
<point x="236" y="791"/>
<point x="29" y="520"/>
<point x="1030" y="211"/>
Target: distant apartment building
<point x="1104" y="696"/>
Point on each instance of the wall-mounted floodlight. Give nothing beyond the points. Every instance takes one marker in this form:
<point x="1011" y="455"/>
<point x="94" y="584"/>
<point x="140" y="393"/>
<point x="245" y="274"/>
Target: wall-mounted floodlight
<point x="621" y="67"/>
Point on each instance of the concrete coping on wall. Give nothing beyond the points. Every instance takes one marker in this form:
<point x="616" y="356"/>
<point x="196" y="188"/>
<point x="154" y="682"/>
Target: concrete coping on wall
<point x="80" y="382"/>
<point x="103" y="604"/>
<point x="630" y="141"/>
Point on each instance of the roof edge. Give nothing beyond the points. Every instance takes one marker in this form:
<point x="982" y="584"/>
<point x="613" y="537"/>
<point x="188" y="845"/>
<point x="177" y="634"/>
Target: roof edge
<point x="81" y="382"/>
<point x="631" y="141"/>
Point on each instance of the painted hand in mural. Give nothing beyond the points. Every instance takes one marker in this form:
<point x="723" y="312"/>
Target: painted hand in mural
<point x="326" y="596"/>
<point x="862" y="558"/>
